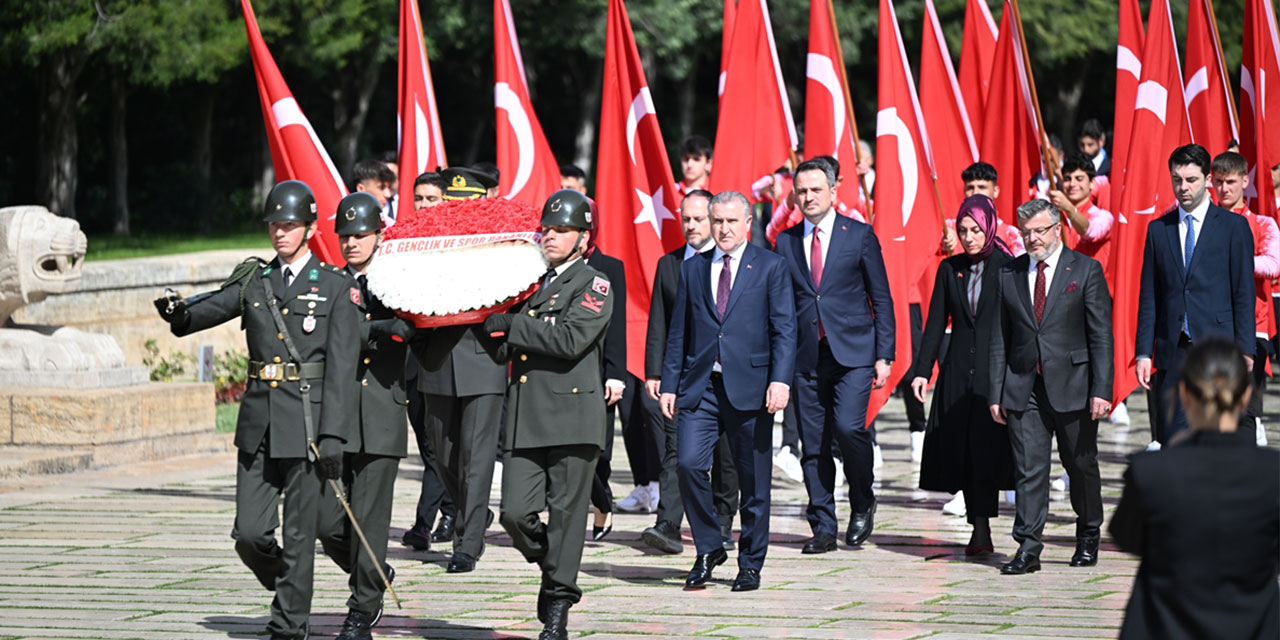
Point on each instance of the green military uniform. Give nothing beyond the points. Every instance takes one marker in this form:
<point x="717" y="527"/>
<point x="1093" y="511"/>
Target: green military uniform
<point x="379" y="439"/>
<point x="554" y="427"/>
<point x="274" y="444"/>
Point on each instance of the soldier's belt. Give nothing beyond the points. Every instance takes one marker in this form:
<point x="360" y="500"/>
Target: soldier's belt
<point x="290" y="371"/>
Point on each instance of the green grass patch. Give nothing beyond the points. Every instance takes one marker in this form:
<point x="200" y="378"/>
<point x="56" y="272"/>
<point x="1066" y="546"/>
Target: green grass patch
<point x="226" y="417"/>
<point x="144" y="245"/>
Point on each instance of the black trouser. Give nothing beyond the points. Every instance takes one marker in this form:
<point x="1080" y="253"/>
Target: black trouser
<point x="601" y="492"/>
<point x="260" y="479"/>
<point x="370" y="483"/>
<point x="433" y="498"/>
<point x="1167" y="416"/>
<point x="724" y="480"/>
<point x="1032" y="432"/>
<point x="464" y="432"/>
<point x="642" y="432"/>
<point x="1254" y="410"/>
<point x="557" y="480"/>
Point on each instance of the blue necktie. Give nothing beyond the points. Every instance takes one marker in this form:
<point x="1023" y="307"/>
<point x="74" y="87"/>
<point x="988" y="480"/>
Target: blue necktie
<point x="1188" y="250"/>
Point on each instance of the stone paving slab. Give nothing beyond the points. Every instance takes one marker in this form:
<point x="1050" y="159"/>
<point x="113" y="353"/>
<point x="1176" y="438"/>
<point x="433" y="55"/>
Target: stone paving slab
<point x="144" y="552"/>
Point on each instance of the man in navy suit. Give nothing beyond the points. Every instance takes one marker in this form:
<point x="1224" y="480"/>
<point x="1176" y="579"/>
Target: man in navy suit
<point x="844" y="349"/>
<point x="1197" y="281"/>
<point x="728" y="366"/>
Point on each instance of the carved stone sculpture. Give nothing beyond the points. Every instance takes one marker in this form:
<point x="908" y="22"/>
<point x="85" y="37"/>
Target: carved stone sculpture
<point x="40" y="253"/>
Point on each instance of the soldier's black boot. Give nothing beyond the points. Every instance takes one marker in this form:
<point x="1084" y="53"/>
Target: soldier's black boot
<point x="557" y="621"/>
<point x="357" y="626"/>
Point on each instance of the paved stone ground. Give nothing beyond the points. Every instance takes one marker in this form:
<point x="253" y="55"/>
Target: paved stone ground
<point x="145" y="553"/>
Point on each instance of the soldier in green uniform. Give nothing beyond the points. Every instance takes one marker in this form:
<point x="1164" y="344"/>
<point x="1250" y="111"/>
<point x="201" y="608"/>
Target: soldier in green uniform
<point x="555" y="407"/>
<point x="301" y="325"/>
<point x="381" y="435"/>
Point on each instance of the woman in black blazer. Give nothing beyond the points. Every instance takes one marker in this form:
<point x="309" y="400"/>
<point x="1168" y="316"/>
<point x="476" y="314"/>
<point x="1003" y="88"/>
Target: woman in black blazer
<point x="1204" y="514"/>
<point x="964" y="450"/>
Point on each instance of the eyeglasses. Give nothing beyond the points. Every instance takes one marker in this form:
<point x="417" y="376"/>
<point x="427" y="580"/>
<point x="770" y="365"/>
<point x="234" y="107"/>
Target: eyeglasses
<point x="1041" y="232"/>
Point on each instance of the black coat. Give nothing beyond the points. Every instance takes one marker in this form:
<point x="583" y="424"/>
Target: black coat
<point x="1204" y="515"/>
<point x="663" y="300"/>
<point x="960" y="425"/>
<point x="615" y="339"/>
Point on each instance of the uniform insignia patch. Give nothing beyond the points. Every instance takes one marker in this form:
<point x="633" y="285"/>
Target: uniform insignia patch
<point x="355" y="295"/>
<point x="308" y="324"/>
<point x="266" y="271"/>
<point x="313" y="275"/>
<point x="600" y="286"/>
<point x="593" y="303"/>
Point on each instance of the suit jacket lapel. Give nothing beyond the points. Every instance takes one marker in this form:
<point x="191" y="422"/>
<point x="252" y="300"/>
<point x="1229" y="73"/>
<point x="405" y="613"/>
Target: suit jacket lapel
<point x="1175" y="244"/>
<point x="797" y="243"/>
<point x="1062" y="275"/>
<point x="743" y="279"/>
<point x="276" y="276"/>
<point x="559" y="283"/>
<point x="1021" y="265"/>
<point x="990" y="280"/>
<point x="704" y="281"/>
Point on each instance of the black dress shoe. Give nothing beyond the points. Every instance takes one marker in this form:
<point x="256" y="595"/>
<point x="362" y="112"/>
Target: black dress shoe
<point x="1021" y="563"/>
<point x="702" y="566"/>
<point x="726" y="534"/>
<point x="1086" y="554"/>
<point x="444" y="530"/>
<point x="860" y="525"/>
<point x="664" y="537"/>
<point x="356" y="627"/>
<point x="749" y="579"/>
<point x="557" y="621"/>
<point x="820" y="543"/>
<point x="419" y="539"/>
<point x="599" y="533"/>
<point x="461" y="563"/>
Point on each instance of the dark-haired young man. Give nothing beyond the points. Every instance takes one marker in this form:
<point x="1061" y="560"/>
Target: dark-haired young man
<point x="1088" y="228"/>
<point x="1091" y="140"/>
<point x="573" y="177"/>
<point x="695" y="164"/>
<point x="428" y="190"/>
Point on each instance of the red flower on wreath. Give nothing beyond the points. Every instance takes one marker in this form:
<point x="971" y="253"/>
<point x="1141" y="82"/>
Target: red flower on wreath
<point x="466" y="217"/>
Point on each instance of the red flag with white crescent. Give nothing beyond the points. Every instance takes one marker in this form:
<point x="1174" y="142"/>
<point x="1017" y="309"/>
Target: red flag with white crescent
<point x="1129" y="48"/>
<point x="1260" y="104"/>
<point x="828" y="131"/>
<point x="528" y="170"/>
<point x="635" y="189"/>
<point x="296" y="151"/>
<point x="421" y="144"/>
<point x="1160" y="115"/>
<point x="726" y="39"/>
<point x="946" y="117"/>
<point x="907" y="217"/>
<point x="1213" y="121"/>
<point x="755" y="133"/>
<point x="1010" y="131"/>
<point x="977" y="55"/>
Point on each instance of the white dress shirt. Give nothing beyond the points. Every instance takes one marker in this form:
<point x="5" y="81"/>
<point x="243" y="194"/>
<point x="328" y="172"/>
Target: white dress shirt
<point x="295" y="267"/>
<point x="1050" y="269"/>
<point x="691" y="251"/>
<point x="717" y="266"/>
<point x="824" y="236"/>
<point x="560" y="269"/>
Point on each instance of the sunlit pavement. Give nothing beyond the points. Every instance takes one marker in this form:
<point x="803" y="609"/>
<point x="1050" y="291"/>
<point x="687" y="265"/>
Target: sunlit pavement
<point x="146" y="553"/>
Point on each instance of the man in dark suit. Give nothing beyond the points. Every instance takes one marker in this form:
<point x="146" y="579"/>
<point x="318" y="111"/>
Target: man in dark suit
<point x="381" y="439"/>
<point x="844" y="348"/>
<point x="1197" y="281"/>
<point x="463" y="385"/>
<point x="664" y="535"/>
<point x="615" y="375"/>
<point x="1051" y="373"/>
<point x="730" y="355"/>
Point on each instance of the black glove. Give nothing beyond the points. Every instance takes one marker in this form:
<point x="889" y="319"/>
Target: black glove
<point x="498" y="323"/>
<point x="398" y="329"/>
<point x="329" y="462"/>
<point x="172" y="309"/>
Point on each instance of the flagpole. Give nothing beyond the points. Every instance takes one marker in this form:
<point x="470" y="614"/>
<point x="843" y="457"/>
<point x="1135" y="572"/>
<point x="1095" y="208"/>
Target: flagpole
<point x="848" y="105"/>
<point x="1217" y="42"/>
<point x="1045" y="155"/>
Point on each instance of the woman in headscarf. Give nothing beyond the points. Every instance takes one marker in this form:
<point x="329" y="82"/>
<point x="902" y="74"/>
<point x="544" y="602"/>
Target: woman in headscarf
<point x="964" y="450"/>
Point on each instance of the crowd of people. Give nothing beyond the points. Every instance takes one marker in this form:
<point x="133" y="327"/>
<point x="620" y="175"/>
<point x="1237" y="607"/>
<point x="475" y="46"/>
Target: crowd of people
<point x="783" y="305"/>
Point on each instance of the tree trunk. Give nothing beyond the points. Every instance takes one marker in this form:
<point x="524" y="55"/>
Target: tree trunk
<point x="119" y="150"/>
<point x="585" y="141"/>
<point x="266" y="174"/>
<point x="202" y="145"/>
<point x="351" y="96"/>
<point x="684" y="119"/>
<point x="56" y="165"/>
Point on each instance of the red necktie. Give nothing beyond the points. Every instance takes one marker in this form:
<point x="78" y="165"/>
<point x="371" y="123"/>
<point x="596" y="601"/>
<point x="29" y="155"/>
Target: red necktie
<point x="722" y="289"/>
<point x="815" y="269"/>
<point x="1039" y="299"/>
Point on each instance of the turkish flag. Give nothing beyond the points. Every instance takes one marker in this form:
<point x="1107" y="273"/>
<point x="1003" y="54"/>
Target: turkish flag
<point x="907" y="216"/>
<point x="827" y="116"/>
<point x="1161" y="116"/>
<point x="635" y="190"/>
<point x="755" y="133"/>
<point x="421" y="145"/>
<point x="977" y="53"/>
<point x="946" y="116"/>
<point x="1010" y="131"/>
<point x="1213" y="120"/>
<point x="1260" y="103"/>
<point x="528" y="170"/>
<point x="296" y="151"/>
<point x="1128" y="71"/>
<point x="726" y="38"/>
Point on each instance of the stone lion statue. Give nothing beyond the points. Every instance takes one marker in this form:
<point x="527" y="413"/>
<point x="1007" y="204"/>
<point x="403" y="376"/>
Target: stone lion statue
<point x="40" y="253"/>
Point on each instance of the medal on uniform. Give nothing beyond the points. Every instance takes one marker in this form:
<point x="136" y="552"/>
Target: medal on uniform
<point x="308" y="324"/>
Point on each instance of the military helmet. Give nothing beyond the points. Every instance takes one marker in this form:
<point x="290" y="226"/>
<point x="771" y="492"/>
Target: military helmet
<point x="357" y="213"/>
<point x="568" y="208"/>
<point x="290" y="201"/>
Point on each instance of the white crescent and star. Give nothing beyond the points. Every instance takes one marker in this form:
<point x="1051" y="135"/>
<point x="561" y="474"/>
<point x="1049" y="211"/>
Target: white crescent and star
<point x="889" y="124"/>
<point x="653" y="209"/>
<point x="506" y="99"/>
